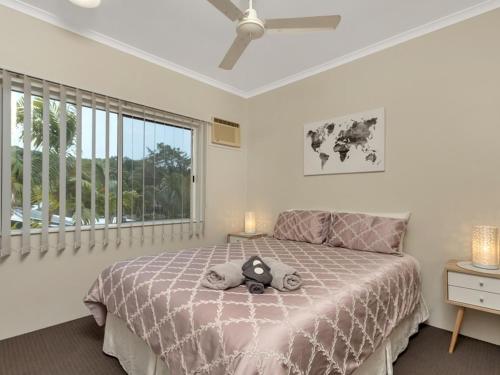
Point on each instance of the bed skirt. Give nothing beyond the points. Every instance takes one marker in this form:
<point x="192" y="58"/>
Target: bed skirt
<point x="137" y="358"/>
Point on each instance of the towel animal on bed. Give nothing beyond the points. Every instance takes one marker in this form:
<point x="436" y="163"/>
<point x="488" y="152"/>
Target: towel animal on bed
<point x="236" y="272"/>
<point x="257" y="275"/>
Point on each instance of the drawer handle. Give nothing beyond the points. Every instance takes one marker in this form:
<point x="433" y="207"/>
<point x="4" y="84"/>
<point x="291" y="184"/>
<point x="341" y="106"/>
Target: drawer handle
<point x="481" y="284"/>
<point x="481" y="300"/>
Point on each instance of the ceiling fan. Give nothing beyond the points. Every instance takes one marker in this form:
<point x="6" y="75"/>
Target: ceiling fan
<point x="250" y="27"/>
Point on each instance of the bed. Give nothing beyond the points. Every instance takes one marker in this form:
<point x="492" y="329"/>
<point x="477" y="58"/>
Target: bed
<point x="353" y="315"/>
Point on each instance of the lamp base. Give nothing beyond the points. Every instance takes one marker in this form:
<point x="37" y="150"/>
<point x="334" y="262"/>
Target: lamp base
<point x="469" y="266"/>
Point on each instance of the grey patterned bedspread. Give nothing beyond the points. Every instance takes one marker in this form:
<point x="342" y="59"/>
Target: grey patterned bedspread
<point x="349" y="303"/>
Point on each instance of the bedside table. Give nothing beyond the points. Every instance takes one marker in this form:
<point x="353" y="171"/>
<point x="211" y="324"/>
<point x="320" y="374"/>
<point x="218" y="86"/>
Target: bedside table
<point x="470" y="289"/>
<point x="237" y="237"/>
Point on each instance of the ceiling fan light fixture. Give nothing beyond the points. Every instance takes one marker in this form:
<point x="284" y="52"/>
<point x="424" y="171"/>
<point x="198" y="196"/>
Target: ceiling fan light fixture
<point x="251" y="25"/>
<point x="87" y="3"/>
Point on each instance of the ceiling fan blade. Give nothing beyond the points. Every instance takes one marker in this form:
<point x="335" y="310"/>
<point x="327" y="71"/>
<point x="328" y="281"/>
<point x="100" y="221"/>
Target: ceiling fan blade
<point x="303" y="24"/>
<point x="228" y="8"/>
<point x="235" y="51"/>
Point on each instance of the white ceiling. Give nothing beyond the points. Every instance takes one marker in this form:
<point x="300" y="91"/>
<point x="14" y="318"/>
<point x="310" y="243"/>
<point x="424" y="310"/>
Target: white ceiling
<point x="191" y="36"/>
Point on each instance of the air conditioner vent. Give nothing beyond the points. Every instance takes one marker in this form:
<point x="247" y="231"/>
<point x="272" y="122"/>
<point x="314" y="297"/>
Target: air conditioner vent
<point x="225" y="132"/>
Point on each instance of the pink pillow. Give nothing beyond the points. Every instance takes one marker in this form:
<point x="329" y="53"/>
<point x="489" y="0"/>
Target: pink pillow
<point x="365" y="232"/>
<point x="304" y="226"/>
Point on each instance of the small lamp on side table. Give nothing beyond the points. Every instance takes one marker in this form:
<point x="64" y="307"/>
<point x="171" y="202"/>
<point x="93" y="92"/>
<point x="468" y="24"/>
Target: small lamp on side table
<point x="475" y="285"/>
<point x="250" y="232"/>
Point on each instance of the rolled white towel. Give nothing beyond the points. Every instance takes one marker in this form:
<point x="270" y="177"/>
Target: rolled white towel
<point x="224" y="276"/>
<point x="285" y="277"/>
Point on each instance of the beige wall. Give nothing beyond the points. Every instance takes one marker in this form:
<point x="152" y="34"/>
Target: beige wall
<point x="38" y="291"/>
<point x="441" y="94"/>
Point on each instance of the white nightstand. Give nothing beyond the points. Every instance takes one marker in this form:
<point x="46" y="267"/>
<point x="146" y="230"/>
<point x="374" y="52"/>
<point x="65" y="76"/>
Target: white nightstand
<point x="237" y="237"/>
<point x="470" y="289"/>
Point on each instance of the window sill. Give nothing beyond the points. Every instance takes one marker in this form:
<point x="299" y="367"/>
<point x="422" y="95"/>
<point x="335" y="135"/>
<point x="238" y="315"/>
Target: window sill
<point x="100" y="227"/>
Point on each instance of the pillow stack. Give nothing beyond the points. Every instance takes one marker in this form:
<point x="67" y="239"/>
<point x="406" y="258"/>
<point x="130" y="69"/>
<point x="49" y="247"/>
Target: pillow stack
<point x="355" y="231"/>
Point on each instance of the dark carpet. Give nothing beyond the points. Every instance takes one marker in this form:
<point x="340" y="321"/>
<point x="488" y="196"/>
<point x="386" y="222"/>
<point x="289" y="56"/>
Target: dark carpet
<point x="74" y="348"/>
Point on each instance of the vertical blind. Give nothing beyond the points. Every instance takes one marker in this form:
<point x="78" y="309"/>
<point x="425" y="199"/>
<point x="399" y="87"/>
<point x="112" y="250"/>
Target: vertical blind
<point x="74" y="161"/>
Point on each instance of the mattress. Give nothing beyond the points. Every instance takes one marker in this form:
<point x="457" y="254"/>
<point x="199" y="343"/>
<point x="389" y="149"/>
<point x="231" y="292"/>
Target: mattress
<point x="349" y="305"/>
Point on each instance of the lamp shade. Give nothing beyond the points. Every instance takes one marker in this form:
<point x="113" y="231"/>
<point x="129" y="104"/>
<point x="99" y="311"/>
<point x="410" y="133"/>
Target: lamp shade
<point x="250" y="222"/>
<point x="485" y="247"/>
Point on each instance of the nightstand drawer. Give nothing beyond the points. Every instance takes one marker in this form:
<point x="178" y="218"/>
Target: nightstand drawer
<point x="474" y="297"/>
<point x="474" y="282"/>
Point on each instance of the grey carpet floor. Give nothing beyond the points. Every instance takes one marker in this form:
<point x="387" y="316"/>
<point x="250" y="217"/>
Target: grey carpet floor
<point x="74" y="348"/>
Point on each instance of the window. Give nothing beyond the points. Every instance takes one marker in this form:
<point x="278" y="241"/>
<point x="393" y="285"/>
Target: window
<point x="119" y="164"/>
<point x="157" y="164"/>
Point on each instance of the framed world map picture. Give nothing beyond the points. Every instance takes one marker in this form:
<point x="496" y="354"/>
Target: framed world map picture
<point x="347" y="144"/>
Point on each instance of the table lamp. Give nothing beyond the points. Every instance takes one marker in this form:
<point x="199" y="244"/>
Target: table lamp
<point x="485" y="247"/>
<point x="250" y="222"/>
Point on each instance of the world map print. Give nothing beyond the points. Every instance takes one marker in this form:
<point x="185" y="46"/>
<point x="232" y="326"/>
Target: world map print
<point x="353" y="143"/>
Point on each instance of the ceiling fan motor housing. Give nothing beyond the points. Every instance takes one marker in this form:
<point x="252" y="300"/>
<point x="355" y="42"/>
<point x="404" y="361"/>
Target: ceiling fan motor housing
<point x="251" y="25"/>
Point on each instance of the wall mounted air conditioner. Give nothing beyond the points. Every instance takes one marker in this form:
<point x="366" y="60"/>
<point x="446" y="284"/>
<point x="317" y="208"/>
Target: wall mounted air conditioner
<point x="225" y="133"/>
